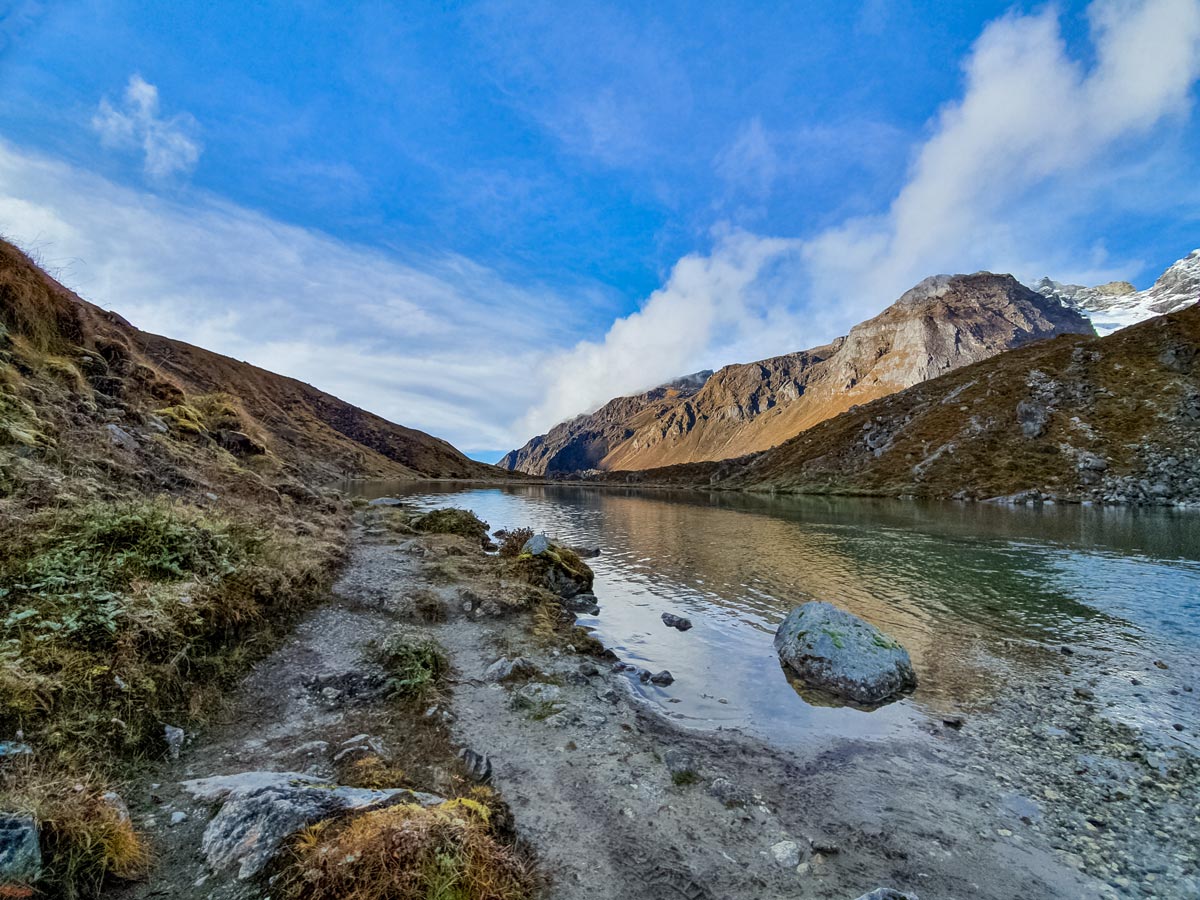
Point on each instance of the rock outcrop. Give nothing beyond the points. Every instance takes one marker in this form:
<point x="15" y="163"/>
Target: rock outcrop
<point x="835" y="651"/>
<point x="260" y="810"/>
<point x="1119" y="304"/>
<point x="943" y="323"/>
<point x="553" y="567"/>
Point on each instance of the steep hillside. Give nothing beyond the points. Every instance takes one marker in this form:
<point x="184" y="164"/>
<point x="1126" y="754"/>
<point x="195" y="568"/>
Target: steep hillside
<point x="944" y="322"/>
<point x="583" y="442"/>
<point x="82" y="382"/>
<point x="1118" y="303"/>
<point x="1114" y="419"/>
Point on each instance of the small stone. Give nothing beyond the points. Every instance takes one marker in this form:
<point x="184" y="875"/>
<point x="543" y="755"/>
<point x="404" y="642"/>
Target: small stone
<point x="1177" y="726"/>
<point x="786" y="854"/>
<point x="174" y="737"/>
<point x="536" y="545"/>
<point x="679" y="762"/>
<point x="588" y="670"/>
<point x="1066" y="651"/>
<point x="1160" y="664"/>
<point x="954" y="722"/>
<point x="662" y="679"/>
<point x="887" y="894"/>
<point x="1084" y="694"/>
<point x="178" y="818"/>
<point x="478" y="765"/>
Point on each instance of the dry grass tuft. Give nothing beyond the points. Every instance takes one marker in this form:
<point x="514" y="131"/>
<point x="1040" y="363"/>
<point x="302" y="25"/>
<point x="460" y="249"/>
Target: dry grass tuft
<point x="87" y="837"/>
<point x="462" y="522"/>
<point x="449" y="852"/>
<point x="514" y="541"/>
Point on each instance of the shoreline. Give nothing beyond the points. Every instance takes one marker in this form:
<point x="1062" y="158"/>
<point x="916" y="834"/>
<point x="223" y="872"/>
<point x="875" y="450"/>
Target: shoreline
<point x="618" y="801"/>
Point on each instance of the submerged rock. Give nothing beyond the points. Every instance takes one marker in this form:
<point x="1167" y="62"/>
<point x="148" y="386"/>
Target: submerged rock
<point x="262" y="809"/>
<point x="679" y="622"/>
<point x="386" y="501"/>
<point x="888" y="894"/>
<point x="836" y="651"/>
<point x="20" y="852"/>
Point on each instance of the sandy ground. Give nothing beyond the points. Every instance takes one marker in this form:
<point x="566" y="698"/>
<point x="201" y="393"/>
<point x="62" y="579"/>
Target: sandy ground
<point x="1039" y="799"/>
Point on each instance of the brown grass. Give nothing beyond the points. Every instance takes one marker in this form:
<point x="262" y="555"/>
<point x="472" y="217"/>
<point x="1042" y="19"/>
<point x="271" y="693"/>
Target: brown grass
<point x="405" y="852"/>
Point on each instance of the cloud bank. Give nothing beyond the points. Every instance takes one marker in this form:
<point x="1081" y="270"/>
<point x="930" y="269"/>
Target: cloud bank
<point x="438" y="343"/>
<point x="1031" y="147"/>
<point x="168" y="146"/>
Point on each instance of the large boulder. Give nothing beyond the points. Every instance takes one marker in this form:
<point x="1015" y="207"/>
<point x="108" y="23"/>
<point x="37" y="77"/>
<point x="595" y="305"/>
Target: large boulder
<point x="260" y="810"/>
<point x="835" y="651"/>
<point x="20" y="852"/>
<point x="554" y="567"/>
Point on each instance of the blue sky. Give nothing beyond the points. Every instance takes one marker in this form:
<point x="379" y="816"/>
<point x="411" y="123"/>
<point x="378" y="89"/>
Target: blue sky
<point x="478" y="219"/>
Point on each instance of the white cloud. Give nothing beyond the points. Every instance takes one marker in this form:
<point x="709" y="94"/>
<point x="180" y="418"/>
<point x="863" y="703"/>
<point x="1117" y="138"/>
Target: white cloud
<point x="1001" y="183"/>
<point x="438" y="343"/>
<point x="168" y="146"/>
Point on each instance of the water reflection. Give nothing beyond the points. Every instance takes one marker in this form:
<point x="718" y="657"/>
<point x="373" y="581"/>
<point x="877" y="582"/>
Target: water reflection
<point x="972" y="591"/>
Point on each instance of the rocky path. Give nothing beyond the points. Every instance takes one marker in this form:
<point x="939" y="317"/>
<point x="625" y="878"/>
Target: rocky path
<point x="615" y="801"/>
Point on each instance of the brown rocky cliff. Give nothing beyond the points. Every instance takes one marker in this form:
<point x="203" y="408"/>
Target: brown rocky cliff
<point x="945" y="322"/>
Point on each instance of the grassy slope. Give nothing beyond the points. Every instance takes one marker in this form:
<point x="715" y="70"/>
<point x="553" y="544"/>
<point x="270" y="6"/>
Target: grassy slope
<point x="162" y="521"/>
<point x="1126" y="398"/>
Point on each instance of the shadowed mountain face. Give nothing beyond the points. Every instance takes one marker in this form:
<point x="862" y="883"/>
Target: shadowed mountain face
<point x="77" y="382"/>
<point x="944" y="322"/>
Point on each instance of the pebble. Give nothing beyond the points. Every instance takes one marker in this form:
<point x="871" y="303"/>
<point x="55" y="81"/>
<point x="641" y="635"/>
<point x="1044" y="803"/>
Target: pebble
<point x="178" y="817"/>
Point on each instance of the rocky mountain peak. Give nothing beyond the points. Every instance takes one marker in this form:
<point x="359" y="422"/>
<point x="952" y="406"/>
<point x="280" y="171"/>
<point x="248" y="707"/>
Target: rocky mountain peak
<point x="943" y="322"/>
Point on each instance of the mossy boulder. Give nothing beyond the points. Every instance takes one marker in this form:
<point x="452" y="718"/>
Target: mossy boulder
<point x="556" y="568"/>
<point x="835" y="651"/>
<point x="462" y="522"/>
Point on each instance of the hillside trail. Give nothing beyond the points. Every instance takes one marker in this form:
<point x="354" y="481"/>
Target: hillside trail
<point x="613" y="799"/>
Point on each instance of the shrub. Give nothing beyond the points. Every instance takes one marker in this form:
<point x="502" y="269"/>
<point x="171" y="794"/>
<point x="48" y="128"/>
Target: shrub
<point x="514" y="541"/>
<point x="415" y="668"/>
<point x="462" y="522"/>
<point x="406" y="852"/>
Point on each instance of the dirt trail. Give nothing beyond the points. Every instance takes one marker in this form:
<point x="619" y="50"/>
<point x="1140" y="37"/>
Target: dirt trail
<point x="587" y="767"/>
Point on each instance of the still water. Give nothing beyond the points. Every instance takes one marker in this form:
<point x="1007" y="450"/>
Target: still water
<point x="981" y="596"/>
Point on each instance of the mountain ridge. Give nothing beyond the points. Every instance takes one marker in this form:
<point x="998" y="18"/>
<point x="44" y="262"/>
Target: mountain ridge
<point x="942" y="322"/>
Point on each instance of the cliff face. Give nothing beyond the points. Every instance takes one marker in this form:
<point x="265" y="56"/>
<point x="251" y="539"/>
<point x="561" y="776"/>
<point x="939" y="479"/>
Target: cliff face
<point x="944" y="322"/>
<point x="1112" y="420"/>
<point x="583" y="442"/>
<point x="1119" y="304"/>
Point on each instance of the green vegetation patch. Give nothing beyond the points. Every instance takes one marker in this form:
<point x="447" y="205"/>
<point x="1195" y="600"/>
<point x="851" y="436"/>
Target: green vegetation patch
<point x="462" y="522"/>
<point x="416" y="668"/>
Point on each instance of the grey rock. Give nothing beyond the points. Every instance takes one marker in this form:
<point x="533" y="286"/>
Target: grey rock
<point x="505" y="668"/>
<point x="888" y="894"/>
<point x="14" y="748"/>
<point x="386" y="501"/>
<point x="836" y="651"/>
<point x="478" y="765"/>
<point x="261" y="809"/>
<point x="536" y="693"/>
<point x="116" y="802"/>
<point x="679" y="761"/>
<point x="20" y="851"/>
<point x="178" y="818"/>
<point x="120" y="438"/>
<point x="786" y="854"/>
<point x="586" y="552"/>
<point x="662" y="679"/>
<point x="673" y="621"/>
<point x="174" y="737"/>
<point x="536" y="545"/>
<point x="1032" y="417"/>
<point x="729" y="793"/>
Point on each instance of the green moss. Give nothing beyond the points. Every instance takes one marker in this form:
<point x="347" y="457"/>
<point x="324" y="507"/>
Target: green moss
<point x="462" y="522"/>
<point x="182" y="417"/>
<point x="684" y="777"/>
<point x="836" y="637"/>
